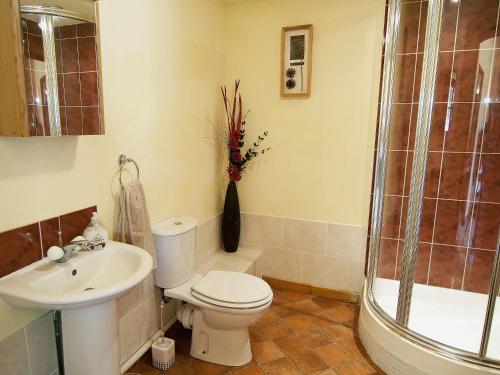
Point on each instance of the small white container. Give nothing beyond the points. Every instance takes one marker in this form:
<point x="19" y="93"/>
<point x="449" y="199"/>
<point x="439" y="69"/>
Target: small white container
<point x="95" y="231"/>
<point x="163" y="350"/>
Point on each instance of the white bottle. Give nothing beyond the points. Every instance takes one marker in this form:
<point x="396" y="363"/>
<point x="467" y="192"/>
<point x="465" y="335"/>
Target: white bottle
<point x="95" y="231"/>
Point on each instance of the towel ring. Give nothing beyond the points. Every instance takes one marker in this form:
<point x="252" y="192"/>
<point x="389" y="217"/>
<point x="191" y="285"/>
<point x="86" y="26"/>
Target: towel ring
<point x="122" y="161"/>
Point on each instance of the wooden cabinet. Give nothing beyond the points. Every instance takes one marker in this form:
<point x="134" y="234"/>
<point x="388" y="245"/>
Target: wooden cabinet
<point x="49" y="69"/>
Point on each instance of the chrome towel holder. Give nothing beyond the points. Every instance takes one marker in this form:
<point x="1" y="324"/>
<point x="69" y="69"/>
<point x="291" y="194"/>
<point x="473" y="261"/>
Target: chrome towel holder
<point x="122" y="161"/>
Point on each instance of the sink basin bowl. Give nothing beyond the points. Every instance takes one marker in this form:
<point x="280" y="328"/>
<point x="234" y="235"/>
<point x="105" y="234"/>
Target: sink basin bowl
<point x="87" y="278"/>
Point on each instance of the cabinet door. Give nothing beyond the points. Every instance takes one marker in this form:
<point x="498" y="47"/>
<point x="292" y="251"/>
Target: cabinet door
<point x="13" y="105"/>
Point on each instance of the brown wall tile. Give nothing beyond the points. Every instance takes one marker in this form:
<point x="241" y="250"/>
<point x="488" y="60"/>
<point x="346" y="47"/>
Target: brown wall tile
<point x="51" y="234"/>
<point x="19" y="248"/>
<point x="478" y="270"/>
<point x="74" y="223"/>
<point x="476" y="23"/>
<point x="447" y="266"/>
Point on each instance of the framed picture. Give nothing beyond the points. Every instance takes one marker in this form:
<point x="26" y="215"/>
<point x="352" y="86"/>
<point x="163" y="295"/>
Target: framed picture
<point x="296" y="60"/>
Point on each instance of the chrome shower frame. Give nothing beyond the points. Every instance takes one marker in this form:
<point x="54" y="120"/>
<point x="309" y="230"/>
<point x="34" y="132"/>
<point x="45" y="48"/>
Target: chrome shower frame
<point x="400" y="324"/>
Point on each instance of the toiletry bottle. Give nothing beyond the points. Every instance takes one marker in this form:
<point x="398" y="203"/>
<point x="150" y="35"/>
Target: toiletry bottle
<point x="95" y="231"/>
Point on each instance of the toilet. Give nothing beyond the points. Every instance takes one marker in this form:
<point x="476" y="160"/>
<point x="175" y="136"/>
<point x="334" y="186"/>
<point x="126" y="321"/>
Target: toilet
<point x="218" y="306"/>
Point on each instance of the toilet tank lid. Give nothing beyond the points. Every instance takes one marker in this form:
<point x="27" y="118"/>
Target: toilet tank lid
<point x="174" y="226"/>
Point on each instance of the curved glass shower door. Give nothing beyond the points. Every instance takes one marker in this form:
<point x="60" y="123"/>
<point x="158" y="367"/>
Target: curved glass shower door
<point x="436" y="197"/>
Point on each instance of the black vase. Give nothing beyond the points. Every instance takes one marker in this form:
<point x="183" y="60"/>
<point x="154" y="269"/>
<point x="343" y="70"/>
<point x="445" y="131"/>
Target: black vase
<point x="231" y="219"/>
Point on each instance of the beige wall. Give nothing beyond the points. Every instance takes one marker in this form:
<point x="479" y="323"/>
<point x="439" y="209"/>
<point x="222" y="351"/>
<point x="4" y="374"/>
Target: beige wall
<point x="161" y="78"/>
<point x="321" y="163"/>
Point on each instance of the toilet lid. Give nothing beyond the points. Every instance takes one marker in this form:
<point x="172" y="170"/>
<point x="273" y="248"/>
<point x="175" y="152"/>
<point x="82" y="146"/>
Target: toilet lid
<point x="232" y="289"/>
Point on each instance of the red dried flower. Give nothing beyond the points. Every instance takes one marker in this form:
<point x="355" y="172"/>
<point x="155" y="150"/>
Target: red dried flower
<point x="234" y="173"/>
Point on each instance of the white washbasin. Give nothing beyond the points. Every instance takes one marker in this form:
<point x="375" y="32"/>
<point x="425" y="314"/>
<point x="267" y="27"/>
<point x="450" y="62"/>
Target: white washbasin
<point x="87" y="278"/>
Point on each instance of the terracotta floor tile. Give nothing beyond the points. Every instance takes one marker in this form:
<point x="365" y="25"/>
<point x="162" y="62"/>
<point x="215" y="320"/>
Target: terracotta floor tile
<point x="325" y="303"/>
<point x="252" y="370"/>
<point x="354" y="368"/>
<point x="340" y="313"/>
<point x="269" y="316"/>
<point x="285" y="311"/>
<point x="281" y="367"/>
<point x="293" y="296"/>
<point x="300" y="323"/>
<point x="314" y="338"/>
<point x="308" y="362"/>
<point x="330" y="371"/>
<point x="207" y="368"/>
<point x="253" y="362"/>
<point x="338" y="332"/>
<point x="355" y="348"/>
<point x="276" y="329"/>
<point x="333" y="355"/>
<point x="320" y="321"/>
<point x="306" y="306"/>
<point x="256" y="333"/>
<point x="266" y="351"/>
<point x="278" y="298"/>
<point x="291" y="345"/>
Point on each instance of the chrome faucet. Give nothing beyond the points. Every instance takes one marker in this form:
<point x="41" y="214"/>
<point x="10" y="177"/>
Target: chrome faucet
<point x="78" y="245"/>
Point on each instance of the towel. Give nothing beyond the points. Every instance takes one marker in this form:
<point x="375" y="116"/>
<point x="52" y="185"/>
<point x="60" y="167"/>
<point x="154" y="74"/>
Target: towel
<point x="133" y="225"/>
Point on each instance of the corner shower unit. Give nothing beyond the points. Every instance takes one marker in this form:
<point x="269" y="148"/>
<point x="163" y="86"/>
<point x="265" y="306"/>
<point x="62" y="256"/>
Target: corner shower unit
<point x="431" y="302"/>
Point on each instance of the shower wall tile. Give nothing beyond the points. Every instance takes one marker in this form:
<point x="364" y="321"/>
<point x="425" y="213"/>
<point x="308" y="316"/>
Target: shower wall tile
<point x="461" y="207"/>
<point x="447" y="266"/>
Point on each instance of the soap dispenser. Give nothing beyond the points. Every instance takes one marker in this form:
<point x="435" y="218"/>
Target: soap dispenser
<point x="95" y="231"/>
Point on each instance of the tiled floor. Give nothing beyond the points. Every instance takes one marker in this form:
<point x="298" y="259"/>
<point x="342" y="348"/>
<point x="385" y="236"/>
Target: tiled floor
<point x="299" y="334"/>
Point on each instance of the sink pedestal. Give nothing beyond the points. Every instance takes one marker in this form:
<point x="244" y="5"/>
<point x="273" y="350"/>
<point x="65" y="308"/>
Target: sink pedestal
<point x="90" y="340"/>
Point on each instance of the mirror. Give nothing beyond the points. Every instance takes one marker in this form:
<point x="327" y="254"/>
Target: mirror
<point x="60" y="56"/>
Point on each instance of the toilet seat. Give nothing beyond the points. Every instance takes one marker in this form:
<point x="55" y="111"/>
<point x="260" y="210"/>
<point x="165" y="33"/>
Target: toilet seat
<point x="232" y="290"/>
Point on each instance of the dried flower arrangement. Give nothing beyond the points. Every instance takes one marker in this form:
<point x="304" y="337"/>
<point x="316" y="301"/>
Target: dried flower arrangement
<point x="235" y="136"/>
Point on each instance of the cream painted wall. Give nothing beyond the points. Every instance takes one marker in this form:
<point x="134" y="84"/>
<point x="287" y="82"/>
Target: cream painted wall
<point x="321" y="163"/>
<point x="160" y="79"/>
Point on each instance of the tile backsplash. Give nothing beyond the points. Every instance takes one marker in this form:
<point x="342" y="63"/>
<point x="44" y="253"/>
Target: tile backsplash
<point x="22" y="246"/>
<point x="322" y="254"/>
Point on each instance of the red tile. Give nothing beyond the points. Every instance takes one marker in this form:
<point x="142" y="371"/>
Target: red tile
<point x="476" y="23"/>
<point x="391" y="216"/>
<point x="452" y="222"/>
<point x="437" y="129"/>
<point x="418" y="77"/>
<point x="74" y="223"/>
<point x="422" y="27"/>
<point x="387" y="258"/>
<point x="495" y="78"/>
<point x="91" y="120"/>
<point x="69" y="55"/>
<point x="422" y="265"/>
<point x="491" y="137"/>
<point x="59" y="61"/>
<point x="395" y="173"/>
<point x="427" y="220"/>
<point x="470" y="84"/>
<point x="33" y="28"/>
<point x="403" y="78"/>
<point x="87" y="54"/>
<point x="72" y="89"/>
<point x="400" y="126"/>
<point x="89" y="89"/>
<point x="51" y="234"/>
<point x="461" y="128"/>
<point x="68" y="31"/>
<point x="449" y="25"/>
<point x="443" y="77"/>
<point x="486" y="224"/>
<point x="479" y="270"/>
<point x="447" y="266"/>
<point x="455" y="176"/>
<point x="35" y="47"/>
<point x="19" y="248"/>
<point x="408" y="28"/>
<point x="74" y="120"/>
<point x="432" y="174"/>
<point x="489" y="179"/>
<point x="85" y="29"/>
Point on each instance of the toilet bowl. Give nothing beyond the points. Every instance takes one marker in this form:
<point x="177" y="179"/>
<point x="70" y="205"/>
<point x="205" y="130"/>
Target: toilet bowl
<point x="218" y="306"/>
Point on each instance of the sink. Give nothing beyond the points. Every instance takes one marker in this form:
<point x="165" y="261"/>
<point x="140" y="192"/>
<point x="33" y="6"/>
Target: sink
<point x="87" y="278"/>
<point x="85" y="290"/>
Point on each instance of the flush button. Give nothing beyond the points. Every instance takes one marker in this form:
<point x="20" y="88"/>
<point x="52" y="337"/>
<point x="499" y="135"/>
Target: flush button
<point x="178" y="223"/>
<point x="74" y="272"/>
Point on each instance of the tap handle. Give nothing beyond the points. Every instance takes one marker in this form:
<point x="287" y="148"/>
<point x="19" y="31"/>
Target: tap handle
<point x="55" y="253"/>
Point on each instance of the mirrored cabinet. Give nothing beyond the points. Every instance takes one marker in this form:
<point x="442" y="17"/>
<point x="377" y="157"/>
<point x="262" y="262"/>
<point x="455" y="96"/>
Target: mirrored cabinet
<point x="50" y="69"/>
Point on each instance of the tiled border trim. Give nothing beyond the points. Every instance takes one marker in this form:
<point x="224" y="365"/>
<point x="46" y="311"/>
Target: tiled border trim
<point x="338" y="295"/>
<point x="23" y="246"/>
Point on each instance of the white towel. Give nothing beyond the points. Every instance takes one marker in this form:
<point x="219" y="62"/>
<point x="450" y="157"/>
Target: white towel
<point x="133" y="226"/>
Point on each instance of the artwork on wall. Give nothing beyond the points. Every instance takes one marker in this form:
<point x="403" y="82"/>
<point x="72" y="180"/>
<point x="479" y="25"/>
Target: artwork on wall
<point x="296" y="60"/>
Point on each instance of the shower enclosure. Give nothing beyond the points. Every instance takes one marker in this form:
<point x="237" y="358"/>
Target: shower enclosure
<point x="434" y="265"/>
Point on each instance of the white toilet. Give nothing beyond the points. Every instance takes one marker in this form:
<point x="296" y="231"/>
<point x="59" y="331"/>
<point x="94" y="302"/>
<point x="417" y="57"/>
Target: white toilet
<point x="218" y="306"/>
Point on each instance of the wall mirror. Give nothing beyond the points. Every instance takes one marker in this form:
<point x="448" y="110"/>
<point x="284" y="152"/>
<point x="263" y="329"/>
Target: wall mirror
<point x="59" y="54"/>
